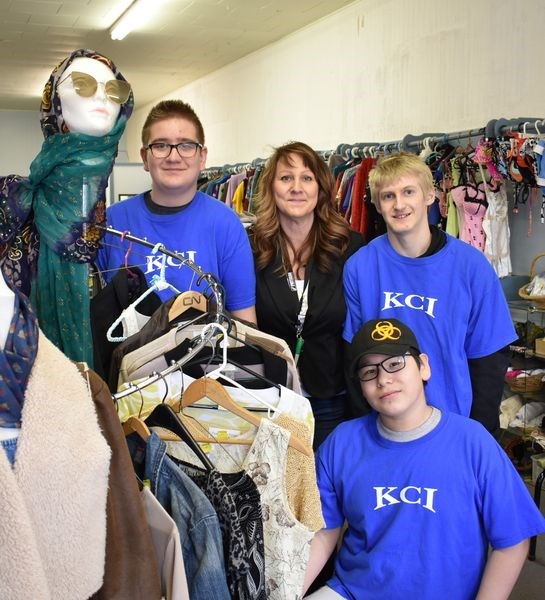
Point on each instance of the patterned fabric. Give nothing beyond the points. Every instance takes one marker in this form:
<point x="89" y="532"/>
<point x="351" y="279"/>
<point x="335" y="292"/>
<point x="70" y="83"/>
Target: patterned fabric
<point x="49" y="220"/>
<point x="287" y="542"/>
<point x="287" y="538"/>
<point x="16" y="361"/>
<point x="300" y="477"/>
<point x="19" y="239"/>
<point x="237" y="503"/>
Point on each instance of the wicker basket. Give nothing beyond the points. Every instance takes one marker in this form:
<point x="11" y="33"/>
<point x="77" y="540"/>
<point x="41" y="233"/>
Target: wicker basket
<point x="530" y="383"/>
<point x="539" y="301"/>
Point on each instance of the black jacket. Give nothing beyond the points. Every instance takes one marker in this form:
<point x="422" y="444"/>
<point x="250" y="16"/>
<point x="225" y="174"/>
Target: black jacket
<point x="321" y="363"/>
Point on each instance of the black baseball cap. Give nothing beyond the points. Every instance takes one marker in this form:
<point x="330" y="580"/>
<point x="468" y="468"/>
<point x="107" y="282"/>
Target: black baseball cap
<point x="381" y="336"/>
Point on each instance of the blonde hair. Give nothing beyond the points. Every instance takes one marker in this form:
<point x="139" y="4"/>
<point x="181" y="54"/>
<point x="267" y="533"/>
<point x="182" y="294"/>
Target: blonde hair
<point x="329" y="235"/>
<point x="390" y="168"/>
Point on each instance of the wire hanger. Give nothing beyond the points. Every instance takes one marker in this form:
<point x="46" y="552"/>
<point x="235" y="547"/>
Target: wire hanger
<point x="220" y="370"/>
<point x="132" y="274"/>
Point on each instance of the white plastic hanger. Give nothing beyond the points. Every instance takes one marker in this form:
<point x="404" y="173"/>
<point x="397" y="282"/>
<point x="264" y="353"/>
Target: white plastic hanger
<point x="208" y="387"/>
<point x="158" y="282"/>
<point x="220" y="370"/>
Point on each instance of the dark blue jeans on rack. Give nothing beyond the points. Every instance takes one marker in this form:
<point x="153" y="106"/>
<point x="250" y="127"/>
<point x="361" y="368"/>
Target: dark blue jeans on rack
<point x="328" y="413"/>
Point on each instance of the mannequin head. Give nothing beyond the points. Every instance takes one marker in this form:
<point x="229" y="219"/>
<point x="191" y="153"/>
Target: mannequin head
<point x="85" y="93"/>
<point x="95" y="114"/>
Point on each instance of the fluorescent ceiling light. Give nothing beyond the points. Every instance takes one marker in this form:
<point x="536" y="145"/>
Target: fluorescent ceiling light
<point x="137" y="13"/>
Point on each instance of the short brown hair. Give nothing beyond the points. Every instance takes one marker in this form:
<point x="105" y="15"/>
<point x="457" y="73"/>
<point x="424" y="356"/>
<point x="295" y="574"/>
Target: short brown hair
<point x="393" y="166"/>
<point x="168" y="109"/>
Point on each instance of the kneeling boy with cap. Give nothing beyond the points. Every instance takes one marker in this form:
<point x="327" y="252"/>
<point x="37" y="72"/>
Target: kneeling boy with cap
<point x="423" y="492"/>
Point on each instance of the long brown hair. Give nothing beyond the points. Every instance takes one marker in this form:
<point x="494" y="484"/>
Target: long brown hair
<point x="329" y="235"/>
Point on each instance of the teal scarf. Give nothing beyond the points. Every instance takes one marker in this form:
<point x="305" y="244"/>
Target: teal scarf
<point x="48" y="222"/>
<point x="67" y="181"/>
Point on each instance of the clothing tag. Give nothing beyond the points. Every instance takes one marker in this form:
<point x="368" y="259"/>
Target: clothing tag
<point x="222" y="435"/>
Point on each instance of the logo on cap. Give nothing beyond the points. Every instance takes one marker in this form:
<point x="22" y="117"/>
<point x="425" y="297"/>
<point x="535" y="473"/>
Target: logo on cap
<point x="384" y="330"/>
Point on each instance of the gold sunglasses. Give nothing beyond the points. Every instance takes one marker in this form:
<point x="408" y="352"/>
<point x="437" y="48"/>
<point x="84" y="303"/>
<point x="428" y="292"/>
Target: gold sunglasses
<point x="86" y="86"/>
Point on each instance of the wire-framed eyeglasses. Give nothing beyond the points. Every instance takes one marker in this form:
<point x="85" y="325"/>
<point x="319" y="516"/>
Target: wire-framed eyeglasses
<point x="184" y="149"/>
<point x="392" y="364"/>
<point x="86" y="85"/>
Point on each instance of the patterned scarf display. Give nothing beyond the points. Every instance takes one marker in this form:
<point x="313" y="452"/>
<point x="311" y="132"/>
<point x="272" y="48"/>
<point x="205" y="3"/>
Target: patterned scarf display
<point x="16" y="361"/>
<point x="48" y="221"/>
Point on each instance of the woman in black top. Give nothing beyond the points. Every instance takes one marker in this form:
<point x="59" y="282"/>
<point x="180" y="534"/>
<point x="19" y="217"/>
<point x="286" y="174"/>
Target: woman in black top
<point x="300" y="244"/>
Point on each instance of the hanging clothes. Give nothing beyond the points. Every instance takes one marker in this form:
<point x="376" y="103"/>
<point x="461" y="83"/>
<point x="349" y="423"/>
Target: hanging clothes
<point x="196" y="520"/>
<point x="287" y="541"/>
<point x="471" y="204"/>
<point x="115" y="297"/>
<point x="167" y="546"/>
<point x="237" y="502"/>
<point x="496" y="229"/>
<point x="66" y="521"/>
<point x="286" y="480"/>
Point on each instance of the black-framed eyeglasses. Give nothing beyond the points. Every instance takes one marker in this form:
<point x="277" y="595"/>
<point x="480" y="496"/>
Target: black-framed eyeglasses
<point x="184" y="149"/>
<point x="86" y="85"/>
<point x="392" y="364"/>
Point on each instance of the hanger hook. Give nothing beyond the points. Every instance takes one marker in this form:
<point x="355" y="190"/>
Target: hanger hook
<point x="536" y="127"/>
<point x="154" y="250"/>
<point x="161" y="376"/>
<point x="524" y="128"/>
<point x="141" y="402"/>
<point x="214" y="327"/>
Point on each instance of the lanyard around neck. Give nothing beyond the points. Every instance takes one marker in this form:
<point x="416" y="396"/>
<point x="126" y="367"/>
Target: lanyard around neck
<point x="300" y="322"/>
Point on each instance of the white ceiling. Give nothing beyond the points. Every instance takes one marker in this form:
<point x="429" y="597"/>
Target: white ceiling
<point x="184" y="40"/>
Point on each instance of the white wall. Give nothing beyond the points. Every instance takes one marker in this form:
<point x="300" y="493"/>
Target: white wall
<point x="374" y="71"/>
<point x="20" y="142"/>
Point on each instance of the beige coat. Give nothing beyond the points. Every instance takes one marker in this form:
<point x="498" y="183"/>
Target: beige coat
<point x="53" y="501"/>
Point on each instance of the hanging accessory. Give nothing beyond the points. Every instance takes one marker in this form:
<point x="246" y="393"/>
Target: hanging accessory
<point x="301" y="314"/>
<point x="17" y="359"/>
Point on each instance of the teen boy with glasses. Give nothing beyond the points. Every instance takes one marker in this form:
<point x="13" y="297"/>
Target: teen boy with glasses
<point x="424" y="492"/>
<point x="181" y="218"/>
<point x="442" y="287"/>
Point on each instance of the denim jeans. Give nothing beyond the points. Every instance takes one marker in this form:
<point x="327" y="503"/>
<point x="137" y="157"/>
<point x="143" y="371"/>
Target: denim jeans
<point x="10" y="448"/>
<point x="328" y="413"/>
<point x="196" y="520"/>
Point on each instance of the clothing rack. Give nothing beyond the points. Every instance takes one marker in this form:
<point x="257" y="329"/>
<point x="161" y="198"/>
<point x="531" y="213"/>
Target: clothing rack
<point x="211" y="280"/>
<point x="204" y="339"/>
<point x="495" y="128"/>
<point x="241" y="167"/>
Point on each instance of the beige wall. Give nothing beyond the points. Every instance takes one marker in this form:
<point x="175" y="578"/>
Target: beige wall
<point x="374" y="71"/>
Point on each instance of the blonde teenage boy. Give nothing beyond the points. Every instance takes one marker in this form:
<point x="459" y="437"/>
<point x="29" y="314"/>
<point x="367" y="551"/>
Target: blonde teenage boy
<point x="443" y="288"/>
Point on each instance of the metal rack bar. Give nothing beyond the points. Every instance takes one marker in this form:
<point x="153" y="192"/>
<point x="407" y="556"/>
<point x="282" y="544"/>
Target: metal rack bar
<point x="210" y="279"/>
<point x="493" y="129"/>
